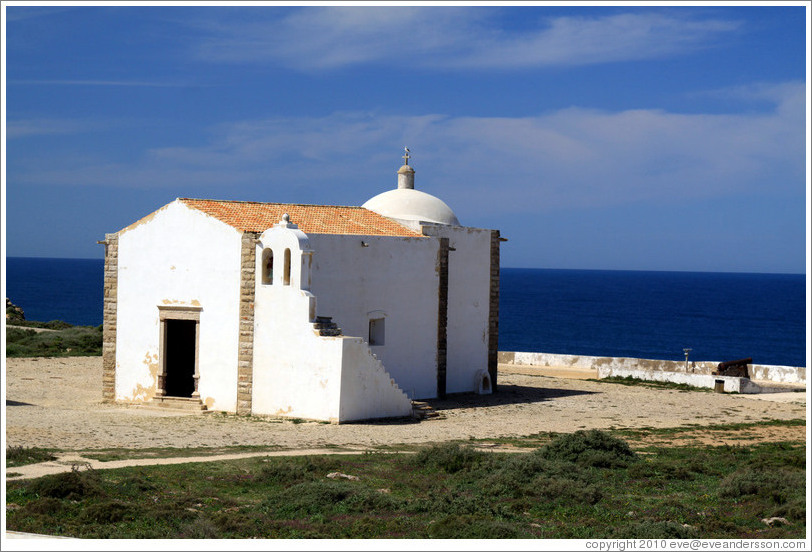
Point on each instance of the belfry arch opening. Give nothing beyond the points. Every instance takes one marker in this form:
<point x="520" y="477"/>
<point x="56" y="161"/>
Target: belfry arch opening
<point x="267" y="266"/>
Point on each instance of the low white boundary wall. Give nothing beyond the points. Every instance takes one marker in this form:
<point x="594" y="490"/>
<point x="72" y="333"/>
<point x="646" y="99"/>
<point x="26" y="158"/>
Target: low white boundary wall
<point x="732" y="385"/>
<point x="761" y="372"/>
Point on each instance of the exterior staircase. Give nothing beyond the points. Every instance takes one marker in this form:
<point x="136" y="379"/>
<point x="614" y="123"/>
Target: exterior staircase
<point x="326" y="327"/>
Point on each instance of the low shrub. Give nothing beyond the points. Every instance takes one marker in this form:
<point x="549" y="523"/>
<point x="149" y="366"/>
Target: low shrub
<point x="591" y="448"/>
<point x="655" y="530"/>
<point x="292" y="471"/>
<point x="369" y="500"/>
<point x="793" y="510"/>
<point x="21" y="456"/>
<point x="449" y="457"/>
<point x="176" y="510"/>
<point x="778" y="455"/>
<point x="235" y="522"/>
<point x="46" y="506"/>
<point x="311" y="497"/>
<point x="137" y="484"/>
<point x="110" y="511"/>
<point x="326" y="497"/>
<point x="471" y="527"/>
<point x="552" y="481"/>
<point x="561" y="490"/>
<point x="68" y="341"/>
<point x="520" y="467"/>
<point x="201" y="528"/>
<point x="780" y="486"/>
<point x="73" y="485"/>
<point x="451" y="502"/>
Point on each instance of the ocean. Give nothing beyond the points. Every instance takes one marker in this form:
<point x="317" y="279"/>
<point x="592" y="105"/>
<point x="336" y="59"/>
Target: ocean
<point x="720" y="316"/>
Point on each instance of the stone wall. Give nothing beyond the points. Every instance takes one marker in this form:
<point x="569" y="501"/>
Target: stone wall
<point x="245" y="366"/>
<point x="110" y="317"/>
<point x="442" y="318"/>
<point x="493" y="317"/>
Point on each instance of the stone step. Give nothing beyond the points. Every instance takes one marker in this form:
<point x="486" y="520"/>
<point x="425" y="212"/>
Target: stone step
<point x="326" y="327"/>
<point x="178" y="403"/>
<point x="422" y="410"/>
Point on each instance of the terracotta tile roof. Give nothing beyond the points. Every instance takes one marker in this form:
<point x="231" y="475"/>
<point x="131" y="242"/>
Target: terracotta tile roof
<point x="250" y="216"/>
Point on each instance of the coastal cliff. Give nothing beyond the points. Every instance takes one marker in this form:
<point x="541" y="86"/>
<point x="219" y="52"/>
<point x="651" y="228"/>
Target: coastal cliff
<point x="13" y="312"/>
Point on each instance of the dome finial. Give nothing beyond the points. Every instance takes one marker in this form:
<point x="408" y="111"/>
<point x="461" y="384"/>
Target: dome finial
<point x="406" y="173"/>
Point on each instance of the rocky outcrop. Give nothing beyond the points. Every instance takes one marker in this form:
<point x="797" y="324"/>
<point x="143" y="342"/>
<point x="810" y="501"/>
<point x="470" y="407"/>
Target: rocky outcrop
<point x="13" y="312"/>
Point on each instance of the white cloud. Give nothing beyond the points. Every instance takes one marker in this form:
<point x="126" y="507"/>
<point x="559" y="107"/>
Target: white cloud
<point x="583" y="41"/>
<point x="41" y="127"/>
<point x="569" y="158"/>
<point x="19" y="13"/>
<point x="99" y="82"/>
<point x="313" y="39"/>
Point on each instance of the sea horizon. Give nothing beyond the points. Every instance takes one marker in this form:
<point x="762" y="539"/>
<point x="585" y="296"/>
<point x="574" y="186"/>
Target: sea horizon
<point x="651" y="314"/>
<point x="690" y="271"/>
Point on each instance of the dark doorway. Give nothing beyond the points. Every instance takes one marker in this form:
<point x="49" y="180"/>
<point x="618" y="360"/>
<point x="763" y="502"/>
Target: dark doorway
<point x="180" y="357"/>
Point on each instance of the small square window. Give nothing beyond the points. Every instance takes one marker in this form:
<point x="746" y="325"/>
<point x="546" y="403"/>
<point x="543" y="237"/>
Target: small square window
<point x="376" y="331"/>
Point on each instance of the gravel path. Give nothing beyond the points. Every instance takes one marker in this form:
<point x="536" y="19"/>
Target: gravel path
<point x="56" y="403"/>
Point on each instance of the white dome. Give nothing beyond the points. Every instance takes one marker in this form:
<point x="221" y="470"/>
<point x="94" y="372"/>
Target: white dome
<point x="412" y="205"/>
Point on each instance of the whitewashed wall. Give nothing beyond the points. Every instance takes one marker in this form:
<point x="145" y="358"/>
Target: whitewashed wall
<point x="395" y="278"/>
<point x="731" y="384"/>
<point x="300" y="374"/>
<point x="469" y="292"/>
<point x="367" y="389"/>
<point x="181" y="257"/>
<point x="776" y="374"/>
<point x="296" y="373"/>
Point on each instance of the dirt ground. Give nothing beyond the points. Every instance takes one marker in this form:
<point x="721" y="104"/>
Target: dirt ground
<point x="56" y="403"/>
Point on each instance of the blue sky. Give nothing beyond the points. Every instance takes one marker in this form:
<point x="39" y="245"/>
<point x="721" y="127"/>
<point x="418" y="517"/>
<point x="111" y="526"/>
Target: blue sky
<point x="598" y="137"/>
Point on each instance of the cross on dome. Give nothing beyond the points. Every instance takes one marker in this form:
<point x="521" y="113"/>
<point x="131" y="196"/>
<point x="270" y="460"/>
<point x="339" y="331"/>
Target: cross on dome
<point x="406" y="156"/>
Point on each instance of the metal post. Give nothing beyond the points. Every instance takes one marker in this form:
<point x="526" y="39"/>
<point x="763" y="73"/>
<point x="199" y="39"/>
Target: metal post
<point x="687" y="351"/>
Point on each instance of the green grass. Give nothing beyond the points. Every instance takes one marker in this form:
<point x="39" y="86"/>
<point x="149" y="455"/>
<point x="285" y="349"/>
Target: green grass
<point x="21" y="456"/>
<point x="66" y="340"/>
<point x="582" y="485"/>
<point x="539" y="439"/>
<point x="739" y="426"/>
<point x="629" y="380"/>
<point x="110" y="455"/>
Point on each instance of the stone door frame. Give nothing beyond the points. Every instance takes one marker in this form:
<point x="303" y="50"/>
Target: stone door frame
<point x="175" y="312"/>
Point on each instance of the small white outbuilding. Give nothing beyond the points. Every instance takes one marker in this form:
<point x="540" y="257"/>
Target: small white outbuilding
<point x="307" y="311"/>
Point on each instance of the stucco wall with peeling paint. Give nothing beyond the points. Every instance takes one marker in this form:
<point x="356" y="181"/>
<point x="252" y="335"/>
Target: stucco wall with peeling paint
<point x="182" y="257"/>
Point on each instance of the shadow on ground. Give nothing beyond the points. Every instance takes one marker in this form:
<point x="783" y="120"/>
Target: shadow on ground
<point x="507" y="394"/>
<point x="9" y="402"/>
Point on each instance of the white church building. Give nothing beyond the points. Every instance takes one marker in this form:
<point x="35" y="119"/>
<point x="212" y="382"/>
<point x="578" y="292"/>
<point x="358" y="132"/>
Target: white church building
<point x="307" y="311"/>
